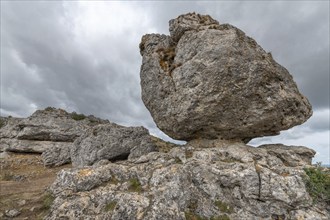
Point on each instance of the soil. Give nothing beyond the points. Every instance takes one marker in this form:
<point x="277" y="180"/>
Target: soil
<point x="23" y="185"/>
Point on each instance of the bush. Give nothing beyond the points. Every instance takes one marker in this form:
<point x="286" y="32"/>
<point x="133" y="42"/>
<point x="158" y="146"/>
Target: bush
<point x="77" y="117"/>
<point x="2" y="123"/>
<point x="49" y="109"/>
<point x="317" y="183"/>
<point x="47" y="201"/>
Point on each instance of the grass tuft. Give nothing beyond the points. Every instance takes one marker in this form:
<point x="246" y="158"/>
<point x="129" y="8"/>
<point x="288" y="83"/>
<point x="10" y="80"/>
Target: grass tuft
<point x="223" y="207"/>
<point x="220" y="217"/>
<point x="135" y="185"/>
<point x="110" y="206"/>
<point x="192" y="216"/>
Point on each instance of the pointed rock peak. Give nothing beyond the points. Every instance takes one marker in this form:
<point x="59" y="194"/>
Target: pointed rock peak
<point x="188" y="22"/>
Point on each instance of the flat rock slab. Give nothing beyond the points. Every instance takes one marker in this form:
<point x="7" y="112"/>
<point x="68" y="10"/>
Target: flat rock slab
<point x="210" y="80"/>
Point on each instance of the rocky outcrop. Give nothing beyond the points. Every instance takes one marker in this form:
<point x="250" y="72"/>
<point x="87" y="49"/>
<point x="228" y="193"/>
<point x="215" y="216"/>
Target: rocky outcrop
<point x="50" y="132"/>
<point x="209" y="80"/>
<point x="227" y="180"/>
<point x="63" y="137"/>
<point x="111" y="142"/>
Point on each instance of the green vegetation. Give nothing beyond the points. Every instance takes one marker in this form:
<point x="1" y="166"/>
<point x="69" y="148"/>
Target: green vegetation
<point x="135" y="185"/>
<point x="114" y="180"/>
<point x="162" y="146"/>
<point x="178" y="160"/>
<point x="6" y="176"/>
<point x="189" y="154"/>
<point x="223" y="207"/>
<point x="110" y="206"/>
<point x="49" y="108"/>
<point x="191" y="216"/>
<point x="2" y="122"/>
<point x="47" y="201"/>
<point x="220" y="217"/>
<point x="317" y="183"/>
<point x="77" y="117"/>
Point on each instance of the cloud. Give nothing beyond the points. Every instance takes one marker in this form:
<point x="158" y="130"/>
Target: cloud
<point x="83" y="56"/>
<point x="315" y="133"/>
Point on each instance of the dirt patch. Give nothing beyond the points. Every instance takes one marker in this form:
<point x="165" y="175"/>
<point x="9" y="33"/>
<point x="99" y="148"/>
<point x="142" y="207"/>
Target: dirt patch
<point x="23" y="184"/>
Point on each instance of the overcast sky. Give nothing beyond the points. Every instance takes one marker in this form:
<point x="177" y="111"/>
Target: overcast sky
<point x="84" y="56"/>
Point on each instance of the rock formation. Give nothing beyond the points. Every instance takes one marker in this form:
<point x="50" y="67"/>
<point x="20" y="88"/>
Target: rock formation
<point x="210" y="80"/>
<point x="52" y="132"/>
<point x="110" y="142"/>
<point x="206" y="83"/>
<point x="224" y="181"/>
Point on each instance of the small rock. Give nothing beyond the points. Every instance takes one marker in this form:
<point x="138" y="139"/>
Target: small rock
<point x="12" y="213"/>
<point x="21" y="202"/>
<point x="19" y="177"/>
<point x="4" y="155"/>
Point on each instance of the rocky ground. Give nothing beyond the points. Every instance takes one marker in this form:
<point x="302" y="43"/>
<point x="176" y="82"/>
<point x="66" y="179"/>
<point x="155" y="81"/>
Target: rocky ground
<point x="23" y="183"/>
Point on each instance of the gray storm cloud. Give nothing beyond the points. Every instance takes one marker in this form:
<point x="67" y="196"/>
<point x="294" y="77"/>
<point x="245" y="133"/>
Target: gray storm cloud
<point x="84" y="56"/>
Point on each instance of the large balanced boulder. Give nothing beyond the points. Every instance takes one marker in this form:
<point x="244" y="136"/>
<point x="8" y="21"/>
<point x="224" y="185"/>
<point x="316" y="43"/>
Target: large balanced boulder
<point x="210" y="80"/>
<point x="110" y="142"/>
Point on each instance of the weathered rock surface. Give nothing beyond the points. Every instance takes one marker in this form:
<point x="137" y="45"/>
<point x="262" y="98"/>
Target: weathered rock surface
<point x="111" y="142"/>
<point x="208" y="80"/>
<point x="57" y="155"/>
<point x="227" y="180"/>
<point x="50" y="131"/>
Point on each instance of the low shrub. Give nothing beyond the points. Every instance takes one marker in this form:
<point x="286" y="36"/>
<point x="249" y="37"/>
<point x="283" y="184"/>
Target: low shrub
<point x="77" y="117"/>
<point x="47" y="201"/>
<point x="2" y="123"/>
<point x="317" y="183"/>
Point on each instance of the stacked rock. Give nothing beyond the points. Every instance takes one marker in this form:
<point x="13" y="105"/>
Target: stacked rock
<point x="211" y="81"/>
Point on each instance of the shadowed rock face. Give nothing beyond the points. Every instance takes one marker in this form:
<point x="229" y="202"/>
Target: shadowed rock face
<point x="211" y="81"/>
